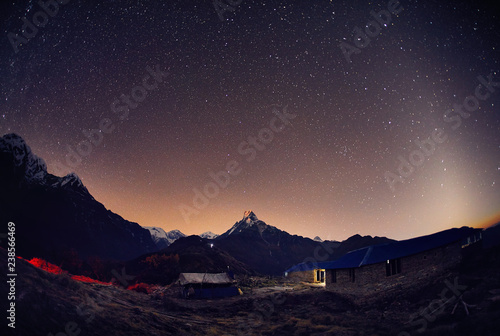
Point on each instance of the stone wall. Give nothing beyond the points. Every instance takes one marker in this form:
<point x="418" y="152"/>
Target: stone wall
<point x="306" y="276"/>
<point x="372" y="278"/>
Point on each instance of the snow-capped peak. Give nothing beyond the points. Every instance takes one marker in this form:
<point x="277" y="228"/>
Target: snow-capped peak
<point x="72" y="179"/>
<point x="249" y="217"/>
<point x="27" y="168"/>
<point x="156" y="232"/>
<point x="174" y="235"/>
<point x="72" y="182"/>
<point x="163" y="239"/>
<point x="209" y="235"/>
<point x="249" y="220"/>
<point x="35" y="169"/>
<point x="318" y="239"/>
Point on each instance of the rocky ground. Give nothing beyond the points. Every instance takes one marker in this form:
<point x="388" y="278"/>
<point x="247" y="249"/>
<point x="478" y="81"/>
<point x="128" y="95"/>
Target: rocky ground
<point x="48" y="303"/>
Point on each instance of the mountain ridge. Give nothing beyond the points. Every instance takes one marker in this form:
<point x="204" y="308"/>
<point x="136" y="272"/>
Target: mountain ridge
<point x="208" y="235"/>
<point x="163" y="239"/>
<point x="56" y="216"/>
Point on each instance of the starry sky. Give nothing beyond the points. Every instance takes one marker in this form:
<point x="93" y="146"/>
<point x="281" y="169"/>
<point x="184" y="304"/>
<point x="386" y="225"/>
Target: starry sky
<point x="304" y="118"/>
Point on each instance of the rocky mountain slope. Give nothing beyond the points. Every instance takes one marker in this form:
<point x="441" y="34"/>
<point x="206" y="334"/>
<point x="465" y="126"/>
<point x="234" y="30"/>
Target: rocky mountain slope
<point x="56" y="216"/>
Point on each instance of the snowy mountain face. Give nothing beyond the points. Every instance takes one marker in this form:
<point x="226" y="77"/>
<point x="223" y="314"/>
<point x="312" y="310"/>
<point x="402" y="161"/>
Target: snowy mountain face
<point x="265" y="248"/>
<point x="27" y="165"/>
<point x="269" y="250"/>
<point x="249" y="220"/>
<point x="156" y="233"/>
<point x="318" y="239"/>
<point x="209" y="235"/>
<point x="174" y="235"/>
<point x="249" y="217"/>
<point x="29" y="169"/>
<point x="163" y="239"/>
<point x="55" y="214"/>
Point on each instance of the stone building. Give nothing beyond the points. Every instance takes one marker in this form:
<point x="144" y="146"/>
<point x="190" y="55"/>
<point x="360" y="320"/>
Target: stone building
<point x="398" y="264"/>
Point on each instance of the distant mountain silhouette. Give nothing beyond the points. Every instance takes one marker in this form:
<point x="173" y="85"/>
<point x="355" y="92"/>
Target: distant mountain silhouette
<point x="56" y="216"/>
<point x="356" y="242"/>
<point x="491" y="236"/>
<point x="191" y="254"/>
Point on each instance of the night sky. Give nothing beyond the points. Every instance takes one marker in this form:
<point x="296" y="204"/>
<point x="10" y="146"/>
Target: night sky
<point x="156" y="96"/>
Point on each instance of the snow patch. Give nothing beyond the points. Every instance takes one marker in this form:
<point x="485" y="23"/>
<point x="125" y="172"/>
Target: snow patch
<point x="158" y="234"/>
<point x="35" y="168"/>
<point x="209" y="235"/>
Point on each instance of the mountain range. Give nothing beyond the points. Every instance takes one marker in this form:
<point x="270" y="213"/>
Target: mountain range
<point x="273" y="250"/>
<point x="164" y="239"/>
<point x="250" y="245"/>
<point x="57" y="217"/>
<point x="209" y="235"/>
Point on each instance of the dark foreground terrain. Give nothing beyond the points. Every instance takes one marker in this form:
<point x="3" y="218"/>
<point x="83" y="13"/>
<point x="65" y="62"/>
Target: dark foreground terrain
<point x="49" y="303"/>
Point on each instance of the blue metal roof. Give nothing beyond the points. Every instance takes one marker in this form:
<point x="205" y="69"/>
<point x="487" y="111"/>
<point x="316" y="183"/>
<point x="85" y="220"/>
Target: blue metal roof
<point x="382" y="252"/>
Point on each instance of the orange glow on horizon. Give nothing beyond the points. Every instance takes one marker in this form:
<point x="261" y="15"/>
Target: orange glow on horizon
<point x="490" y="221"/>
